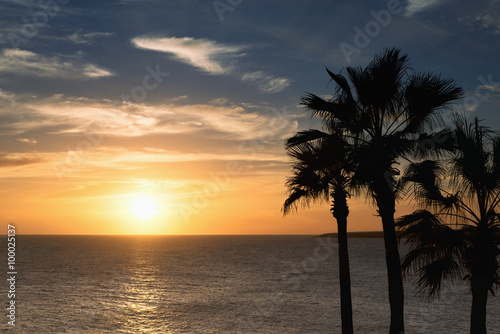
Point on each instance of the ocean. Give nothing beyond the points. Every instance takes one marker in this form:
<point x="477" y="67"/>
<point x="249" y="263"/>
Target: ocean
<point x="213" y="284"/>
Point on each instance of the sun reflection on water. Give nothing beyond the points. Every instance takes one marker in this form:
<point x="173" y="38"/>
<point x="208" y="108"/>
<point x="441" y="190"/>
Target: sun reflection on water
<point x="143" y="293"/>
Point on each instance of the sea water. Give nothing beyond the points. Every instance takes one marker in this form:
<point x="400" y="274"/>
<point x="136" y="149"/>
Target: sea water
<point x="214" y="284"/>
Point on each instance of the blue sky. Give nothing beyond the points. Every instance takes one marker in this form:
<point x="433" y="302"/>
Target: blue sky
<point x="157" y="94"/>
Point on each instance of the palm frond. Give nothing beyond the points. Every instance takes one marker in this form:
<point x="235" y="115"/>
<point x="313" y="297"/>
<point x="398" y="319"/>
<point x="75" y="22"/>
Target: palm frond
<point x="417" y="217"/>
<point x="431" y="276"/>
<point x="302" y="197"/>
<point x="386" y="72"/>
<point x="434" y="145"/>
<point x="338" y="110"/>
<point x="496" y="156"/>
<point x="470" y="172"/>
<point x="343" y="90"/>
<point x="435" y="250"/>
<point x="426" y="94"/>
<point x="425" y="179"/>
<point x="304" y="137"/>
<point x="321" y="164"/>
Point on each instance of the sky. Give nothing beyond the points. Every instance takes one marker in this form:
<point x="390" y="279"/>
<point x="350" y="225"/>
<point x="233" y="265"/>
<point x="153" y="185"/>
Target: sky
<point x="169" y="117"/>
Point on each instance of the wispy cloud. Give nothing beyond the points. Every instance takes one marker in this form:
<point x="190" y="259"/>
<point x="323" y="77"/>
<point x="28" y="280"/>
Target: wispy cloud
<point x="485" y="92"/>
<point x="212" y="57"/>
<point x="484" y="17"/>
<point x="492" y="87"/>
<point x="204" y="54"/>
<point x="490" y="21"/>
<point x="27" y="140"/>
<point x="267" y="83"/>
<point x="60" y="124"/>
<point x="229" y="121"/>
<point x="15" y="159"/>
<point x="415" y="6"/>
<point x="23" y="62"/>
<point x="100" y="190"/>
<point x="6" y="96"/>
<point x="78" y="38"/>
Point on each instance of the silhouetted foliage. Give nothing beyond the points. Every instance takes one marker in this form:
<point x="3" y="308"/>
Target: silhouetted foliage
<point x="382" y="111"/>
<point x="321" y="171"/>
<point x="461" y="233"/>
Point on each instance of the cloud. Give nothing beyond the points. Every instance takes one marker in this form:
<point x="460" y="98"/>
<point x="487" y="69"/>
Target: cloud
<point x="490" y="21"/>
<point x="495" y="88"/>
<point x="7" y="97"/>
<point x="77" y="136"/>
<point x="207" y="55"/>
<point x="27" y="140"/>
<point x="267" y="83"/>
<point x="23" y="62"/>
<point x="212" y="57"/>
<point x="62" y="124"/>
<point x="415" y="6"/>
<point x="79" y="38"/>
<point x="485" y="92"/>
<point x="484" y="17"/>
<point x="14" y="160"/>
<point x="60" y="115"/>
<point x="100" y="190"/>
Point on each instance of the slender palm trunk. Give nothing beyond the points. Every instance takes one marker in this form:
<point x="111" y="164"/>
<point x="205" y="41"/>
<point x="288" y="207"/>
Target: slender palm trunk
<point x="396" y="293"/>
<point x="345" y="279"/>
<point x="340" y="212"/>
<point x="386" y="204"/>
<point x="479" y="300"/>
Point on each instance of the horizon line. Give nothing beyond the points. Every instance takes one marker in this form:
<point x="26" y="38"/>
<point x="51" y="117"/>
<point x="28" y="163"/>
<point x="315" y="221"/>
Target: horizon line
<point x="165" y="235"/>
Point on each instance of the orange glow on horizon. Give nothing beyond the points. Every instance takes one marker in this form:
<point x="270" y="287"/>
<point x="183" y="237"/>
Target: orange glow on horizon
<point x="114" y="191"/>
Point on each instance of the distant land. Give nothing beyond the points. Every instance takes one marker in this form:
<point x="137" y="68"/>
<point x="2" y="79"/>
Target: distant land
<point x="372" y="234"/>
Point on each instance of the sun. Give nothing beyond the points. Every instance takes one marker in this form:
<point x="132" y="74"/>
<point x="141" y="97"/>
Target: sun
<point x="143" y="208"/>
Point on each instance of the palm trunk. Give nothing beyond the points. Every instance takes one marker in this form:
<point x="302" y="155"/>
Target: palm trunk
<point x="340" y="212"/>
<point x="479" y="300"/>
<point x="385" y="199"/>
<point x="396" y="293"/>
<point x="345" y="278"/>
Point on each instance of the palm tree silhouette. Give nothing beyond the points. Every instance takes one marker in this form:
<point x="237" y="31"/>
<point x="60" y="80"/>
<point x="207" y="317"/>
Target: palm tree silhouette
<point x="381" y="110"/>
<point x="321" y="172"/>
<point x="462" y="232"/>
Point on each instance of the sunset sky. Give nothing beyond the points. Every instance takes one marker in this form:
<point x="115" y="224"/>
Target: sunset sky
<point x="169" y="117"/>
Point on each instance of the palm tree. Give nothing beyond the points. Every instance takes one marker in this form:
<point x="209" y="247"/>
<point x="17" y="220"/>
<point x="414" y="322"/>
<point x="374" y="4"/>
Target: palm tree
<point x="321" y="172"/>
<point x="462" y="232"/>
<point x="381" y="110"/>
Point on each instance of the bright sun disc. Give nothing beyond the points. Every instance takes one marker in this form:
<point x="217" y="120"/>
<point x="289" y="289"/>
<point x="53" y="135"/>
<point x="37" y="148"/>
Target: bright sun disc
<point x="143" y="208"/>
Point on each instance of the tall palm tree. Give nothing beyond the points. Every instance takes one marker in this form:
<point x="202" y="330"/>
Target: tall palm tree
<point x="382" y="110"/>
<point x="321" y="172"/>
<point x="462" y="232"/>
